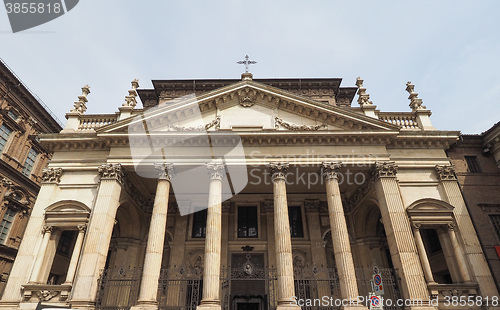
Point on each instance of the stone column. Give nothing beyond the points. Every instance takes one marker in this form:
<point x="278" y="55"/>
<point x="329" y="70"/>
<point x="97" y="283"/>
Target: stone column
<point x="156" y="239"/>
<point x="76" y="254"/>
<point x="282" y="237"/>
<point x="340" y="235"/>
<point x="98" y="236"/>
<point x="472" y="248"/>
<point x="399" y="234"/>
<point x="37" y="268"/>
<point x="211" y="268"/>
<point x="424" y="259"/>
<point x="461" y="263"/>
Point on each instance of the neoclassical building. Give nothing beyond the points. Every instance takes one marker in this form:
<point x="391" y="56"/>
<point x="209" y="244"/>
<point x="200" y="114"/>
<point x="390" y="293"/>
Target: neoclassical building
<point x="248" y="194"/>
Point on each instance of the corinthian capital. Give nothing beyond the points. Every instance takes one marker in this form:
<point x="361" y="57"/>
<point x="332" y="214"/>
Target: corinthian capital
<point x="216" y="171"/>
<point x="51" y="175"/>
<point x="385" y="170"/>
<point x="330" y="170"/>
<point x="278" y="170"/>
<point x="446" y="172"/>
<point x="111" y="172"/>
<point x="165" y="171"/>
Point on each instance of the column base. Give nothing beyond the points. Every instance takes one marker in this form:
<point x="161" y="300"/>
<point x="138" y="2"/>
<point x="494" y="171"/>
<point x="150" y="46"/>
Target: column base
<point x="288" y="307"/>
<point x="353" y="308"/>
<point x="209" y="305"/>
<point x="145" y="305"/>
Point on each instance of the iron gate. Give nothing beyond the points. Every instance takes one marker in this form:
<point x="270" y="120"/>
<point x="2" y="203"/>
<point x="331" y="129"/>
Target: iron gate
<point x="314" y="283"/>
<point x="118" y="288"/>
<point x="181" y="288"/>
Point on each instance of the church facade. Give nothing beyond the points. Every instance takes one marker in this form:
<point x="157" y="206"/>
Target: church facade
<point x="249" y="194"/>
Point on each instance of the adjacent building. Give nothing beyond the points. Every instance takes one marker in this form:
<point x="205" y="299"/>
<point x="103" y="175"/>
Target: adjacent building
<point x="477" y="162"/>
<point x="22" y="158"/>
<point x="249" y="194"/>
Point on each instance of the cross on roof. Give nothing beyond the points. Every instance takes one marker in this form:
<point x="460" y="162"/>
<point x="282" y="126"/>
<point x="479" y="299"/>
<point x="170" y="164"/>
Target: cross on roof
<point x="246" y="62"/>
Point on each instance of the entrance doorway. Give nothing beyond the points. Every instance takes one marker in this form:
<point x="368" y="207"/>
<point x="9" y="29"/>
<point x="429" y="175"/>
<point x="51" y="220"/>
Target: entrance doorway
<point x="248" y="284"/>
<point x="252" y="303"/>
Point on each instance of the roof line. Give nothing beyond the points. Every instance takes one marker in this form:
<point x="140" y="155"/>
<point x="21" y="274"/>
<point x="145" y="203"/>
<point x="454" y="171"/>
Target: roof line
<point x="33" y="94"/>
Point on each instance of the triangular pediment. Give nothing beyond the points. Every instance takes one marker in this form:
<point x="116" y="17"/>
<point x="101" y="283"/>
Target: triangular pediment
<point x="248" y="106"/>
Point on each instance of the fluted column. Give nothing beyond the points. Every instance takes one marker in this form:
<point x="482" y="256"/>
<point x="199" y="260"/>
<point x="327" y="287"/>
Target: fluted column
<point x="472" y="251"/>
<point x="156" y="238"/>
<point x="424" y="259"/>
<point x="282" y="236"/>
<point x="340" y="235"/>
<point x="37" y="268"/>
<point x="211" y="268"/>
<point x="462" y="265"/>
<point x="399" y="234"/>
<point x="76" y="254"/>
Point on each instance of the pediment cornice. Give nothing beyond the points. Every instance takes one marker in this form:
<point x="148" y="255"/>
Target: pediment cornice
<point x="248" y="94"/>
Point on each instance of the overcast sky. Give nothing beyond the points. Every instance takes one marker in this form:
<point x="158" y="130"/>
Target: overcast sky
<point x="450" y="50"/>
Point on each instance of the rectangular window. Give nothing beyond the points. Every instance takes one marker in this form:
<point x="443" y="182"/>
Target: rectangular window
<point x="247" y="222"/>
<point x="30" y="162"/>
<point x="63" y="247"/>
<point x="495" y="220"/>
<point x="200" y="224"/>
<point x="6" y="224"/>
<point x="295" y="217"/>
<point x="431" y="239"/>
<point x="4" y="136"/>
<point x="472" y="164"/>
<point x="12" y="115"/>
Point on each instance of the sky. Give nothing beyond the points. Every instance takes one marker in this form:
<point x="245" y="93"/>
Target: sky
<point x="449" y="49"/>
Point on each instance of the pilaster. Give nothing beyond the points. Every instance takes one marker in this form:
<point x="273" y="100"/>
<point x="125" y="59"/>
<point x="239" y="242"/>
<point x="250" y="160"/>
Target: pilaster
<point x="32" y="240"/>
<point x="399" y="234"/>
<point x="98" y="236"/>
<point x="466" y="232"/>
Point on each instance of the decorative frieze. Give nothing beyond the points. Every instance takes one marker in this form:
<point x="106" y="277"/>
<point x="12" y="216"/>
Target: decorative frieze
<point x="51" y="175"/>
<point x="385" y="170"/>
<point x="247" y="97"/>
<point x="216" y="171"/>
<point x="446" y="172"/>
<point x="215" y="123"/>
<point x="279" y="122"/>
<point x="268" y="206"/>
<point x="46" y="292"/>
<point x="165" y="171"/>
<point x="312" y="205"/>
<point x="278" y="170"/>
<point x="112" y="172"/>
